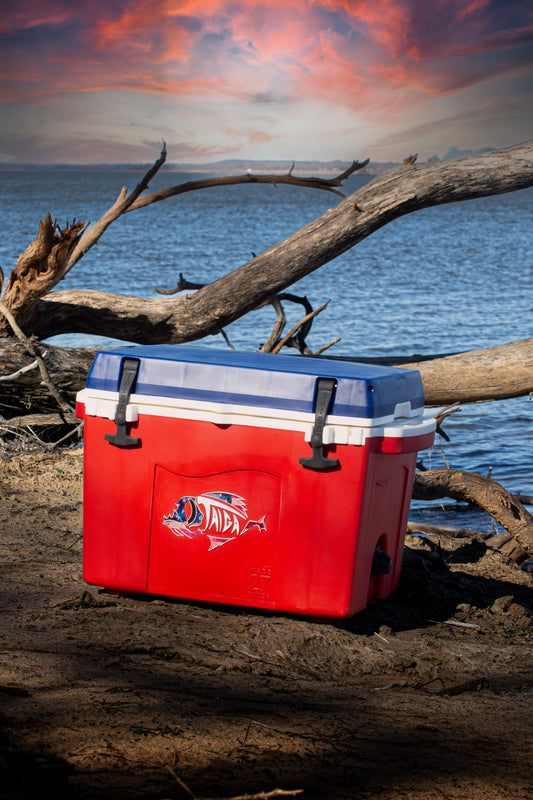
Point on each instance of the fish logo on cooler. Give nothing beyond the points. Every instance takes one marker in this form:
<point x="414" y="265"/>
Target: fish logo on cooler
<point x="221" y="516"/>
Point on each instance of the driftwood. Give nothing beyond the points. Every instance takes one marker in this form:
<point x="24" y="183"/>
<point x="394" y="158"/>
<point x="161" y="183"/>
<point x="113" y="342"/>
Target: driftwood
<point x="52" y="419"/>
<point x="67" y="368"/>
<point x="479" y="374"/>
<point x="491" y="373"/>
<point x="178" y="319"/>
<point x="56" y="251"/>
<point x="210" y="308"/>
<point x="504" y="507"/>
<point x="33" y="351"/>
<point x="39" y="268"/>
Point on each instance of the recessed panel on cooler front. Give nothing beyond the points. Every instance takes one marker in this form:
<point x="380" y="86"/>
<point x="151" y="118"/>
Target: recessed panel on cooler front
<point x="215" y="536"/>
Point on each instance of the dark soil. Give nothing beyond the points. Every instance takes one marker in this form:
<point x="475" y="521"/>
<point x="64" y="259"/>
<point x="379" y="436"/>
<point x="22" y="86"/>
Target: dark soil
<point x="104" y="696"/>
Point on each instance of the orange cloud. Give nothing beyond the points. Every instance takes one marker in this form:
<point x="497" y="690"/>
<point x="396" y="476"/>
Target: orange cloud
<point x="351" y="52"/>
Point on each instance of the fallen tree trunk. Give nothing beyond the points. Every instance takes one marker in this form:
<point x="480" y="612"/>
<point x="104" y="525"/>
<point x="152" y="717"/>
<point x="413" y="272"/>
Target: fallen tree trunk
<point x="67" y="368"/>
<point x="490" y="373"/>
<point x="504" y="507"/>
<point x="482" y="375"/>
<point x="446" y="379"/>
<point x="186" y="318"/>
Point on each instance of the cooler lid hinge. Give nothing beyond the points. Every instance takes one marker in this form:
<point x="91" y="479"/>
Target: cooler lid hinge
<point x="130" y="368"/>
<point x="324" y="399"/>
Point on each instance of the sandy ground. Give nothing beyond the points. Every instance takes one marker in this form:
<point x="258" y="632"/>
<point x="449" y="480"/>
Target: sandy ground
<point x="121" y="697"/>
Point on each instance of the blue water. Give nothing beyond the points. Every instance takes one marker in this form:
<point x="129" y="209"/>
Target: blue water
<point x="444" y="279"/>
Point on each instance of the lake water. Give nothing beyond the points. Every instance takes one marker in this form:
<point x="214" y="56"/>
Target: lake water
<point x="444" y="279"/>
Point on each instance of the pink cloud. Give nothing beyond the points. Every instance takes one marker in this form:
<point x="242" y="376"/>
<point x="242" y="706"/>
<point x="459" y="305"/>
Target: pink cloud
<point x="350" y="52"/>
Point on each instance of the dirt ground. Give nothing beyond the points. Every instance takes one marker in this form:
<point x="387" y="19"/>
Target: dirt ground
<point x="123" y="697"/>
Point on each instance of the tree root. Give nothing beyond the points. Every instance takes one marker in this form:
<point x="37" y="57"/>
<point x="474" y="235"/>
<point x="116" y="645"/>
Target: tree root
<point x="489" y="495"/>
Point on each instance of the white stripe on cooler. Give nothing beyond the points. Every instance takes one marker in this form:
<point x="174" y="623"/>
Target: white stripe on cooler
<point x="338" y="430"/>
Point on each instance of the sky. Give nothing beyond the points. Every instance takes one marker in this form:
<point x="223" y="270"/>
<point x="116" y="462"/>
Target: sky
<point x="107" y="81"/>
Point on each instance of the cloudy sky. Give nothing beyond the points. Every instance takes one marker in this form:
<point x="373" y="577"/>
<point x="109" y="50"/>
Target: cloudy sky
<point x="108" y="80"/>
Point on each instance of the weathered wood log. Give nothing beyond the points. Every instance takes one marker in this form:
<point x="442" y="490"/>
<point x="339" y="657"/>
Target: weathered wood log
<point x="443" y="377"/>
<point x="178" y="319"/>
<point x="479" y="374"/>
<point x="504" y="507"/>
<point x="55" y="251"/>
<point x="490" y="373"/>
<point x="67" y="368"/>
<point x="53" y="418"/>
<point x="40" y="267"/>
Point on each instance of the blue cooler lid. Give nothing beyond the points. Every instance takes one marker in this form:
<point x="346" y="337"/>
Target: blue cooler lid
<point x="192" y="372"/>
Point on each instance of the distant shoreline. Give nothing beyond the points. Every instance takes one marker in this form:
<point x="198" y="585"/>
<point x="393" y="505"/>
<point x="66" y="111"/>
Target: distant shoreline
<point x="229" y="167"/>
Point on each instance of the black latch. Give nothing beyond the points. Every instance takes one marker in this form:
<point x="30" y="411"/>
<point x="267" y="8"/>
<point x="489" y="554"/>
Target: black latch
<point x="324" y="399"/>
<point x="130" y="368"/>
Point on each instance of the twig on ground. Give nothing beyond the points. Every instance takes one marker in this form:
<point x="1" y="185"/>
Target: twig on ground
<point x="258" y="658"/>
<point x="256" y="796"/>
<point x="473" y="685"/>
<point x="76" y="432"/>
<point x="260" y="795"/>
<point x="271" y="728"/>
<point x="454" y="622"/>
<point x="396" y="685"/>
<point x="301" y="667"/>
<point x="180" y="782"/>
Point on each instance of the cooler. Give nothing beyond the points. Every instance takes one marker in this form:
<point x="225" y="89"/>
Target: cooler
<point x="267" y="481"/>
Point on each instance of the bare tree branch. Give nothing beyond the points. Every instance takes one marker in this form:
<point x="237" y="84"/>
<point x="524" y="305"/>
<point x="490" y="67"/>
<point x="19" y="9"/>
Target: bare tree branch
<point x="295" y="328"/>
<point x="492" y="373"/>
<point x="397" y="192"/>
<point x="327" y="346"/>
<point x="278" y="328"/>
<point x="133" y="201"/>
<point x="327" y="184"/>
<point x="123" y="203"/>
<point x="21" y="371"/>
<point x="182" y="285"/>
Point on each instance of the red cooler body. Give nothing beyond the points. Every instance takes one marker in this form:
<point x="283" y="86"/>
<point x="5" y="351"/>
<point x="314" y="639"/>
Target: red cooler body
<point x="273" y="482"/>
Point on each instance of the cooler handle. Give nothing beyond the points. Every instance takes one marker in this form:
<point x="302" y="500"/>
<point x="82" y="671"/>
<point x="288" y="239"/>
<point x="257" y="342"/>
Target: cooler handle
<point x="324" y="399"/>
<point x="130" y="368"/>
